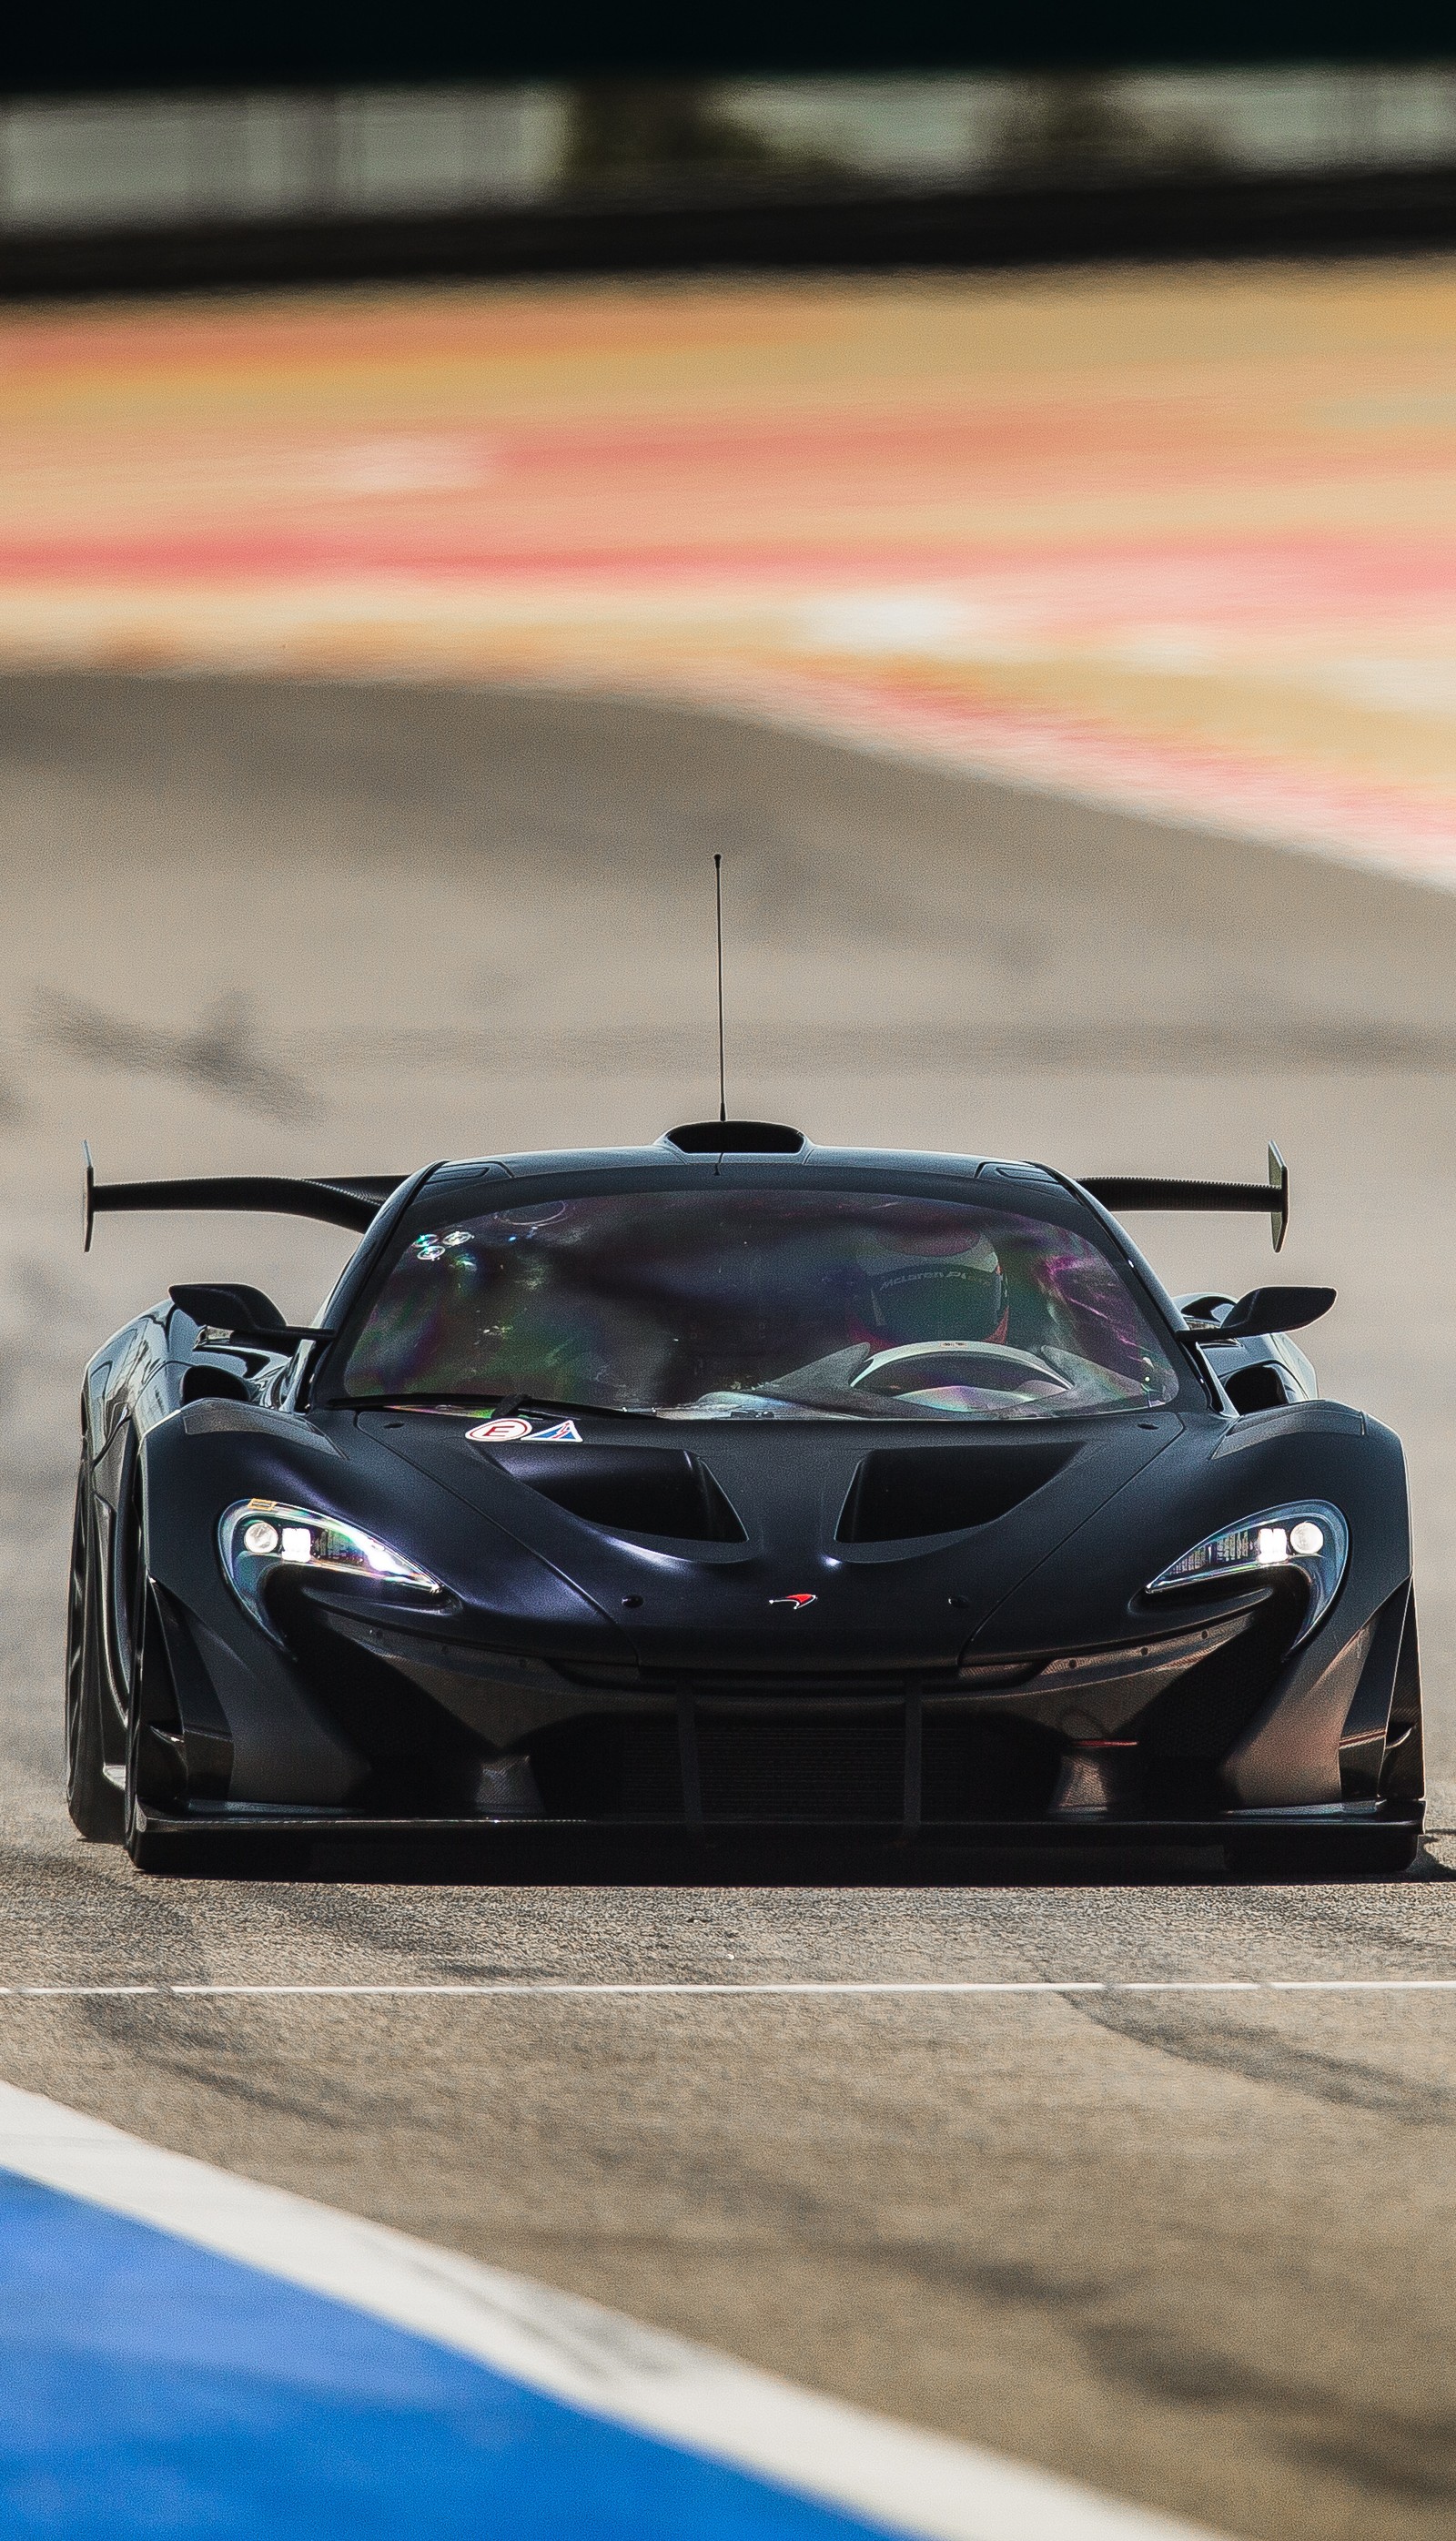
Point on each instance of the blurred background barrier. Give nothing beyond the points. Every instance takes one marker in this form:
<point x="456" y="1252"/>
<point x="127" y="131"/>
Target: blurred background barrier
<point x="1177" y="540"/>
<point x="948" y="167"/>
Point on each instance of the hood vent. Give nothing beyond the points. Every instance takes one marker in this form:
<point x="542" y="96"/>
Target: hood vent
<point x="900" y="1493"/>
<point x="659" y="1491"/>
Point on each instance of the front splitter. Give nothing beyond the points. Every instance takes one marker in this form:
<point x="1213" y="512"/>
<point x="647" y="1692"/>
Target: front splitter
<point x="256" y="1823"/>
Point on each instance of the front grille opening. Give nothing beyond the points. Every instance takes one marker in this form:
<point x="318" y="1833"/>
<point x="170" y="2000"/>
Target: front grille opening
<point x="632" y="1491"/>
<point x="407" y="1739"/>
<point x="972" y="1768"/>
<point x="903" y="1491"/>
<point x="841" y="1768"/>
<point x="601" y="1768"/>
<point x="1189" y="1729"/>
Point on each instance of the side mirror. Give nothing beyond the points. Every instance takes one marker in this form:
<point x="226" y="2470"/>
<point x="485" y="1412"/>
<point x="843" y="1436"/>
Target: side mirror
<point x="244" y="1314"/>
<point x="1265" y="1310"/>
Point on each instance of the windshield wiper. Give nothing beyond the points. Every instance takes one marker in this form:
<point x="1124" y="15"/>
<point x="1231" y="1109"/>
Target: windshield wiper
<point x="847" y="1405"/>
<point x="510" y="1403"/>
<point x="503" y="1409"/>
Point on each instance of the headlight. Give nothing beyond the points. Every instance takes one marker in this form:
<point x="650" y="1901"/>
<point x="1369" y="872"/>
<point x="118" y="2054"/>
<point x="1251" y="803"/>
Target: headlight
<point x="259" y="1537"/>
<point x="1307" y="1536"/>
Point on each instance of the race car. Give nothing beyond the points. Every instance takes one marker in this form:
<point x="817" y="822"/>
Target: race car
<point x="733" y="1488"/>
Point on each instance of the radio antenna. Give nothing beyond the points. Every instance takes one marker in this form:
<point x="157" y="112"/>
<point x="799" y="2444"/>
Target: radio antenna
<point x="722" y="1071"/>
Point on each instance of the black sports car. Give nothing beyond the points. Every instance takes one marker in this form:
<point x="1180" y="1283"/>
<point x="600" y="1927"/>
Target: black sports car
<point x="738" y="1485"/>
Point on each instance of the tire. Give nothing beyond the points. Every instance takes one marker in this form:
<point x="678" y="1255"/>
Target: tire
<point x="95" y="1804"/>
<point x="1356" y="1852"/>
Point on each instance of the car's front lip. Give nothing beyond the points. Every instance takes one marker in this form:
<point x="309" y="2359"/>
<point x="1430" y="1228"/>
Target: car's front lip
<point x="256" y="1819"/>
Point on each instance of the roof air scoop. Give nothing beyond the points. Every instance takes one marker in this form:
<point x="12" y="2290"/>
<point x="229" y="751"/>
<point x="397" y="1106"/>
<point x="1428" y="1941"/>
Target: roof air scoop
<point x="735" y="1138"/>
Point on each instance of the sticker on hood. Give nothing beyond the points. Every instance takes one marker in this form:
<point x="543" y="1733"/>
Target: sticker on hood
<point x="492" y="1434"/>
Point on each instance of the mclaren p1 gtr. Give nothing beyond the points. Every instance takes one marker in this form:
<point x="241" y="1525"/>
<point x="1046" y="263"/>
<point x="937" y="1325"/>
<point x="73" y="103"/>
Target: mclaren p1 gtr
<point x="737" y="1486"/>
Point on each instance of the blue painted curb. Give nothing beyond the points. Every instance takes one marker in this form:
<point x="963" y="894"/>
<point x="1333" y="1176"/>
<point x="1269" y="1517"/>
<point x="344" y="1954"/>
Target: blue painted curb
<point x="150" y="2388"/>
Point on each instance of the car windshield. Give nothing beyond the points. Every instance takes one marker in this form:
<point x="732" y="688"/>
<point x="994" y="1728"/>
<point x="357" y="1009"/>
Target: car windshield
<point x="723" y="1303"/>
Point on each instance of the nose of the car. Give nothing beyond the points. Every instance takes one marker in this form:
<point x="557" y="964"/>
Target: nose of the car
<point x="805" y="1545"/>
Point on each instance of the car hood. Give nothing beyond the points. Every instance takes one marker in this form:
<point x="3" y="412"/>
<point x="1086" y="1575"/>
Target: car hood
<point x="753" y="1546"/>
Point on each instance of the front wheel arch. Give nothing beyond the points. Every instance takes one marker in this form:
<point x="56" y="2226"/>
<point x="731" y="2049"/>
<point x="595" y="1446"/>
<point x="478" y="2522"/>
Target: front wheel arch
<point x="127" y="1569"/>
<point x="94" y="1803"/>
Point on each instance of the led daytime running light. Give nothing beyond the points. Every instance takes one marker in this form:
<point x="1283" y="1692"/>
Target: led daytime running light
<point x="257" y="1538"/>
<point x="1307" y="1536"/>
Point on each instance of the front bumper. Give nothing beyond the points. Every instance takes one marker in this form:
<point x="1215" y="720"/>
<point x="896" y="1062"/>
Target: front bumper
<point x="1148" y="1742"/>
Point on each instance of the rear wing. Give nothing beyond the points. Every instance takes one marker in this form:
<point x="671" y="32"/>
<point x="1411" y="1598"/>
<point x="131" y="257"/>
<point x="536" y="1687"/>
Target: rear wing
<point x="353" y="1200"/>
<point x="1120" y="1192"/>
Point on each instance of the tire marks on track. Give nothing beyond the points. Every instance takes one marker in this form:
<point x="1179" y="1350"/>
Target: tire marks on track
<point x="1273" y="2059"/>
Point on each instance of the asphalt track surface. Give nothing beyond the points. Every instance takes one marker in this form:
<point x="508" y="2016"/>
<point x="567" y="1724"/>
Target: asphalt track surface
<point x="1169" y="2206"/>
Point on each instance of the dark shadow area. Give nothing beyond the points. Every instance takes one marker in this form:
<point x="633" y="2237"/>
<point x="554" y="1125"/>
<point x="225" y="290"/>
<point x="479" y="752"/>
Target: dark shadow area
<point x="497" y="1858"/>
<point x="172" y="46"/>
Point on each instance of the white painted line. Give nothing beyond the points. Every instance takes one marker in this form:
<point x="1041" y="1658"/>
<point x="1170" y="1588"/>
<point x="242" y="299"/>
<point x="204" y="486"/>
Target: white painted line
<point x="950" y="1986"/>
<point x="512" y="1988"/>
<point x="668" y="1985"/>
<point x="590" y="2357"/>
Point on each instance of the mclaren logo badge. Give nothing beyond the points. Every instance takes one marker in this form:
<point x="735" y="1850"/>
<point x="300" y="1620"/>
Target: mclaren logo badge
<point x="801" y="1598"/>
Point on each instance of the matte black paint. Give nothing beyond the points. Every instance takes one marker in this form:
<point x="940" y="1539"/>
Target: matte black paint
<point x="613" y="1650"/>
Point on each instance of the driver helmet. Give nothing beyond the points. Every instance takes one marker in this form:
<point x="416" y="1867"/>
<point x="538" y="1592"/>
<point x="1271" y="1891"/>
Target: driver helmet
<point x="957" y="1297"/>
